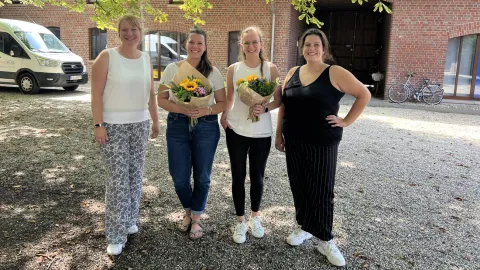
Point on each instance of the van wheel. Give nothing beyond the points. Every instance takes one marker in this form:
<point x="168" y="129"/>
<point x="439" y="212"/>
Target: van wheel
<point x="27" y="84"/>
<point x="70" y="88"/>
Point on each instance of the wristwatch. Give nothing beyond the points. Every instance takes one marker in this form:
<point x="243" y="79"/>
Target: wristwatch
<point x="266" y="109"/>
<point x="99" y="125"/>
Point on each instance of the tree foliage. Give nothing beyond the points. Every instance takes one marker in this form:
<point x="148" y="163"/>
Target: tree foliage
<point x="107" y="12"/>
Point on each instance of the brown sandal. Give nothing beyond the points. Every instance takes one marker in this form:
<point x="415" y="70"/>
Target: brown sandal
<point x="195" y="234"/>
<point x="182" y="227"/>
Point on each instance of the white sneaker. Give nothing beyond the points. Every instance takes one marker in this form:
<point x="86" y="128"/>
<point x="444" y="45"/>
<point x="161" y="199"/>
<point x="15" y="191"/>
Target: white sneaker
<point x="255" y="226"/>
<point x="240" y="232"/>
<point x="330" y="250"/>
<point x="133" y="229"/>
<point x="297" y="237"/>
<point x="115" y="249"/>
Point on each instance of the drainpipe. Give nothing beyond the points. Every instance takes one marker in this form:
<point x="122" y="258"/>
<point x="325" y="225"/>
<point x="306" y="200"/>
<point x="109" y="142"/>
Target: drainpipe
<point x="273" y="31"/>
<point x="142" y="19"/>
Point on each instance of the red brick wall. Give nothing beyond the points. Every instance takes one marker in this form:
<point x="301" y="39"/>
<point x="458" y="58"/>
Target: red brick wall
<point x="223" y="18"/>
<point x="234" y="16"/>
<point x="296" y="30"/>
<point x="419" y="35"/>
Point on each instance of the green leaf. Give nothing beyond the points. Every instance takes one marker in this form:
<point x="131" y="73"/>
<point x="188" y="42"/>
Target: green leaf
<point x="107" y="12"/>
<point x="315" y="21"/>
<point x="387" y="9"/>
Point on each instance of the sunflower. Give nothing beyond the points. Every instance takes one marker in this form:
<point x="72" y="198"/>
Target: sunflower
<point x="190" y="86"/>
<point x="197" y="81"/>
<point x="240" y="81"/>
<point x="187" y="80"/>
<point x="251" y="78"/>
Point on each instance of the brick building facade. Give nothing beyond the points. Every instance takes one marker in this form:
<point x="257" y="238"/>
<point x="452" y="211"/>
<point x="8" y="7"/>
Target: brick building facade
<point x="437" y="39"/>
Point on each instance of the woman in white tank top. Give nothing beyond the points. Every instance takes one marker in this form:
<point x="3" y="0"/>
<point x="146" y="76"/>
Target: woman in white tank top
<point x="247" y="138"/>
<point x="122" y="97"/>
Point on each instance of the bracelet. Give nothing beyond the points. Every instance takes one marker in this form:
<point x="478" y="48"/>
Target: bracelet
<point x="209" y="110"/>
<point x="99" y="125"/>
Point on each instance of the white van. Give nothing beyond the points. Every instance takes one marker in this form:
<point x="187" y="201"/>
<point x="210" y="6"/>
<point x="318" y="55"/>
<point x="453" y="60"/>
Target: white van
<point x="33" y="57"/>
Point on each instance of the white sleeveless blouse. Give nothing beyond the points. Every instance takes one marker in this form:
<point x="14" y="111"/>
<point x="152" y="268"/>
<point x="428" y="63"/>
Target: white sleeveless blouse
<point x="127" y="89"/>
<point x="237" y="117"/>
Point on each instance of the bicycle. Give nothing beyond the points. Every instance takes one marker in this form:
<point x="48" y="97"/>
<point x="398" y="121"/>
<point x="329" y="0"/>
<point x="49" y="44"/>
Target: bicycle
<point x="430" y="93"/>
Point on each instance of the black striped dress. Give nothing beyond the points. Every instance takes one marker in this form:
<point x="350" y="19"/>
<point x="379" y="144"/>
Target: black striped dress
<point x="311" y="147"/>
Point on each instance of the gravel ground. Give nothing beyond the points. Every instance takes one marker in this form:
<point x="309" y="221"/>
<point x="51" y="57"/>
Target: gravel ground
<point x="407" y="194"/>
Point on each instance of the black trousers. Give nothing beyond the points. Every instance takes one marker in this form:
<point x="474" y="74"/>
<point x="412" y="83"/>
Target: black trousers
<point x="311" y="171"/>
<point x="257" y="150"/>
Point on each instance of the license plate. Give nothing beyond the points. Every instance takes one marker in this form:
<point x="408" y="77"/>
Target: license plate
<point x="78" y="77"/>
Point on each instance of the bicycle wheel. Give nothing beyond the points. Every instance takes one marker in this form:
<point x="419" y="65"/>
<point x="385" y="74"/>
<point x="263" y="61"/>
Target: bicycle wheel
<point x="398" y="93"/>
<point x="432" y="94"/>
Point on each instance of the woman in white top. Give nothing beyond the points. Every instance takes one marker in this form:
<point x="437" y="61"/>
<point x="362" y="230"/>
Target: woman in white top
<point x="247" y="138"/>
<point x="193" y="147"/>
<point x="122" y="97"/>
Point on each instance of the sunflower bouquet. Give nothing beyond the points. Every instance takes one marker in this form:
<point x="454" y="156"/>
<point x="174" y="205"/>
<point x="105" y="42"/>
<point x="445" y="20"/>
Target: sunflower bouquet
<point x="253" y="90"/>
<point x="190" y="89"/>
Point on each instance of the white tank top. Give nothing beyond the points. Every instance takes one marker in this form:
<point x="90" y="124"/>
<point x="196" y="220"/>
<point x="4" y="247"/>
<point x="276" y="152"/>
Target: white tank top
<point x="127" y="90"/>
<point x="237" y="117"/>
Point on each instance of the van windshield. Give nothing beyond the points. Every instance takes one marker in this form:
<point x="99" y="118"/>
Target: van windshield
<point x="42" y="42"/>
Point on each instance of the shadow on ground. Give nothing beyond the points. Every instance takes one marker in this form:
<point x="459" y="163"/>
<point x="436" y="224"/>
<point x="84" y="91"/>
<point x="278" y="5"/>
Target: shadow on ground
<point x="406" y="196"/>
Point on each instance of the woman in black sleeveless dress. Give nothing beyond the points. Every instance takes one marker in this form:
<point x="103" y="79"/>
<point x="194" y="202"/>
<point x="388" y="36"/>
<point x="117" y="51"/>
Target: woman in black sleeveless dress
<point x="309" y="131"/>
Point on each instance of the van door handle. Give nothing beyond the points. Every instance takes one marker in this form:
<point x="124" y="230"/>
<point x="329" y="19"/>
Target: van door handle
<point x="10" y="62"/>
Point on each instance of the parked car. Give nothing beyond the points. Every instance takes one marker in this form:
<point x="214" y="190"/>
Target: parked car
<point x="33" y="57"/>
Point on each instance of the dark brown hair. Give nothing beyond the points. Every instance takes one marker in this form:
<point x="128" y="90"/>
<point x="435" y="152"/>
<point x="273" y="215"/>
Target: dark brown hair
<point x="242" y="56"/>
<point x="325" y="44"/>
<point x="205" y="66"/>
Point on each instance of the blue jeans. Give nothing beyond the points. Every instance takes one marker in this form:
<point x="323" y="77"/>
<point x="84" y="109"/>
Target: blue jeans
<point x="192" y="147"/>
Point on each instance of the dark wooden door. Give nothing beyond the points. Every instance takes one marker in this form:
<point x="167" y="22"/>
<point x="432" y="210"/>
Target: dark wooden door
<point x="355" y="41"/>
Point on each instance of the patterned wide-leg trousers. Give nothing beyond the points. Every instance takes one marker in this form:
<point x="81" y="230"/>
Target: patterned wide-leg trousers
<point x="124" y="155"/>
<point x="311" y="171"/>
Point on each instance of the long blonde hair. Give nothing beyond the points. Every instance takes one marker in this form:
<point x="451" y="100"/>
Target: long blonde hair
<point x="241" y="54"/>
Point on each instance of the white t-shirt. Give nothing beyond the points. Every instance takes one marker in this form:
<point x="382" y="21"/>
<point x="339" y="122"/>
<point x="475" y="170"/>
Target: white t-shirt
<point x="215" y="79"/>
<point x="127" y="89"/>
<point x="237" y="116"/>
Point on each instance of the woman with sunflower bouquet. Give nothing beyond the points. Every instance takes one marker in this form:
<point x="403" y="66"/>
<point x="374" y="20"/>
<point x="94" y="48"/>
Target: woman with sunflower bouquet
<point x="192" y="146"/>
<point x="247" y="136"/>
<point x="191" y="92"/>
